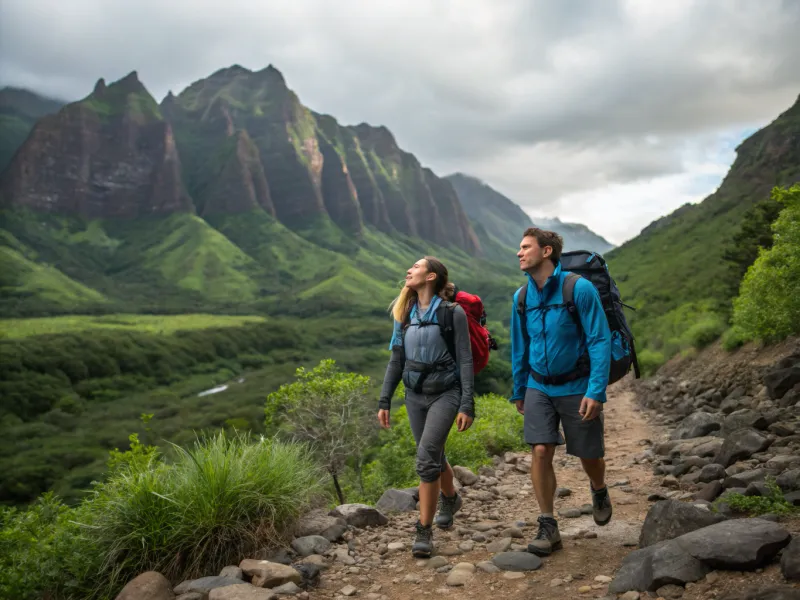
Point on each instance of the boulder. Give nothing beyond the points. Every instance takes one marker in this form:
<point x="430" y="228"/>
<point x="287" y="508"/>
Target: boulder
<point x="204" y="585"/>
<point x="712" y="472"/>
<point x="464" y="475"/>
<point x="655" y="566"/>
<point x="736" y="544"/>
<point x="741" y="444"/>
<point x="763" y="592"/>
<point x="790" y="561"/>
<point x="311" y="544"/>
<point x="789" y="481"/>
<point x="516" y="561"/>
<point x="669" y="519"/>
<point x="396" y="501"/>
<point x="360" y="515"/>
<point x="742" y="419"/>
<point x="150" y="585"/>
<point x="269" y="574"/>
<point x="780" y="381"/>
<point x="697" y="425"/>
<point x="319" y="522"/>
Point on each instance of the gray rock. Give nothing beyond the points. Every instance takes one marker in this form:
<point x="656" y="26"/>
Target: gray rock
<point x="396" y="501"/>
<point x="741" y="444"/>
<point x="570" y="513"/>
<point x="311" y="544"/>
<point x="757" y="488"/>
<point x="287" y="589"/>
<point x="783" y="462"/>
<point x="790" y="561"/>
<point x="360" y="515"/>
<point x="710" y="491"/>
<point x="232" y="571"/>
<point x="670" y="591"/>
<point x="464" y="475"/>
<point x="780" y="381"/>
<point x="697" y="425"/>
<point x="563" y="492"/>
<point x="745" y="478"/>
<point x="782" y="429"/>
<point x="205" y="584"/>
<point x="711" y="473"/>
<point x="669" y="519"/>
<point x="488" y="567"/>
<point x="793" y="498"/>
<point x="742" y="419"/>
<point x="736" y="544"/>
<point x="319" y="522"/>
<point x="499" y="545"/>
<point x="761" y="592"/>
<point x="193" y="596"/>
<point x="656" y="566"/>
<point x="789" y="481"/>
<point x="516" y="561"/>
<point x="264" y="573"/>
<point x="150" y="585"/>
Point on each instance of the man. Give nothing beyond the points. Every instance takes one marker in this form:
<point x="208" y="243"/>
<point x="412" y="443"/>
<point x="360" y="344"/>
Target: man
<point x="553" y="382"/>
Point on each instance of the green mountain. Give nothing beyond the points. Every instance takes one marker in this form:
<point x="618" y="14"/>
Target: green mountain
<point x="498" y="220"/>
<point x="19" y="111"/>
<point x="674" y="272"/>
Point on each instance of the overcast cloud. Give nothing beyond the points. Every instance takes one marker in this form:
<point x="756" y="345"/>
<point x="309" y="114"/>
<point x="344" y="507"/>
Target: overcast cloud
<point x="601" y="112"/>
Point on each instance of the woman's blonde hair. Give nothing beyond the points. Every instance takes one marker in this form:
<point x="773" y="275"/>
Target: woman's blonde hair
<point x="401" y="306"/>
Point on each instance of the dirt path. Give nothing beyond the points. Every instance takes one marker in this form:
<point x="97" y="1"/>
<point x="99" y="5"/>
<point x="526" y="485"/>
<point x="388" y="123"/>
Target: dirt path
<point x="589" y="551"/>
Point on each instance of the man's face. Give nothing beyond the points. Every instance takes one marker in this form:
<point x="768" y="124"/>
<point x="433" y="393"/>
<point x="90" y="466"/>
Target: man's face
<point x="531" y="254"/>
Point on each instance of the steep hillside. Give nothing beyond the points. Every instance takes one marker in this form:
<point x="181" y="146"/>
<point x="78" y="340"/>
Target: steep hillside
<point x="498" y="219"/>
<point x="673" y="272"/>
<point x="19" y="111"/>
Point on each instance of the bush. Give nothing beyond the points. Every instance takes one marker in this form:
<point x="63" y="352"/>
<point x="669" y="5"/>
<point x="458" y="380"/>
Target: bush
<point x="705" y="331"/>
<point x="768" y="305"/>
<point x="733" y="338"/>
<point x="226" y="498"/>
<point x="774" y="503"/>
<point x="649" y="360"/>
<point x="497" y="428"/>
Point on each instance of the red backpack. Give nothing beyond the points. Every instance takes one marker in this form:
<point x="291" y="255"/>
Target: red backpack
<point x="480" y="338"/>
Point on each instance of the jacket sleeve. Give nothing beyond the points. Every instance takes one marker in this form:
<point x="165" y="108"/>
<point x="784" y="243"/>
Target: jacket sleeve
<point x="394" y="370"/>
<point x="518" y="367"/>
<point x="597" y="335"/>
<point x="464" y="360"/>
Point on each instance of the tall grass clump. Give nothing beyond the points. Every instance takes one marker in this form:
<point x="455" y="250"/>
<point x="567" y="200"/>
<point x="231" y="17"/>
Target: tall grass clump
<point x="226" y="498"/>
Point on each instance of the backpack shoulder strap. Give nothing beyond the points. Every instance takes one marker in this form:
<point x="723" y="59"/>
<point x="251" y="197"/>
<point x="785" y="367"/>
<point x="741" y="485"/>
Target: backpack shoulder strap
<point x="568" y="294"/>
<point x="444" y="316"/>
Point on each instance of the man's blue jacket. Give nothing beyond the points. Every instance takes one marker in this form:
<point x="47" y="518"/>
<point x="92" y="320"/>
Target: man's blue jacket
<point x="556" y="343"/>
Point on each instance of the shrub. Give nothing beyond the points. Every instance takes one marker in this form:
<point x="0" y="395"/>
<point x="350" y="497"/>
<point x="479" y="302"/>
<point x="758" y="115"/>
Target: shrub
<point x="768" y="305"/>
<point x="705" y="331"/>
<point x="497" y="428"/>
<point x="774" y="503"/>
<point x="230" y="496"/>
<point x="649" y="360"/>
<point x="733" y="338"/>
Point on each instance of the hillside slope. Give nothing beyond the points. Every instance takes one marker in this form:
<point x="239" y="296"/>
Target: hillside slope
<point x="19" y="111"/>
<point x="673" y="272"/>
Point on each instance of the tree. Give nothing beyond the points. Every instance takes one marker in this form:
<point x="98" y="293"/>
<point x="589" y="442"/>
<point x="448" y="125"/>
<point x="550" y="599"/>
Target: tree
<point x="328" y="409"/>
<point x="768" y="306"/>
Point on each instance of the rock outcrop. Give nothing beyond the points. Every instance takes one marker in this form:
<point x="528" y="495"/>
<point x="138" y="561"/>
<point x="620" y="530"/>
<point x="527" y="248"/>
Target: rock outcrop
<point x="110" y="155"/>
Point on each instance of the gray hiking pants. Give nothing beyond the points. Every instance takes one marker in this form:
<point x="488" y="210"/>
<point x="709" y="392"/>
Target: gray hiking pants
<point x="431" y="417"/>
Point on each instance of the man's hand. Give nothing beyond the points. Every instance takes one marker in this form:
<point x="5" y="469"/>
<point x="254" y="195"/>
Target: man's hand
<point x="520" y="406"/>
<point x="383" y="418"/>
<point x="463" y="421"/>
<point x="590" y="409"/>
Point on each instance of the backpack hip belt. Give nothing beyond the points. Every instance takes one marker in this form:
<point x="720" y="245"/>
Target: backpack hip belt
<point x="425" y="369"/>
<point x="582" y="369"/>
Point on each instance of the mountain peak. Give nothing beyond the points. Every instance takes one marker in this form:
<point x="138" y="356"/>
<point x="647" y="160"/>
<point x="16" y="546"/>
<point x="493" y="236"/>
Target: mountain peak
<point x="130" y="84"/>
<point x="99" y="87"/>
<point x="272" y="75"/>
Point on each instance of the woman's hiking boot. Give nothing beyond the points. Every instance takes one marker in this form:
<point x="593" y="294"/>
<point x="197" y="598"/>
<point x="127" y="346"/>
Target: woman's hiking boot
<point x="423" y="543"/>
<point x="601" y="506"/>
<point x="448" y="507"/>
<point x="547" y="539"/>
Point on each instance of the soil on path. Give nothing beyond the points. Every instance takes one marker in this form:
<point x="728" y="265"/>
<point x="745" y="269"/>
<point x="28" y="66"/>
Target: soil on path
<point x="503" y="500"/>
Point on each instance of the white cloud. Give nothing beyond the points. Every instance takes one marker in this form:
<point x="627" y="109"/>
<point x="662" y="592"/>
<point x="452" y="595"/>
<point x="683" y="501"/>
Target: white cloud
<point x="563" y="106"/>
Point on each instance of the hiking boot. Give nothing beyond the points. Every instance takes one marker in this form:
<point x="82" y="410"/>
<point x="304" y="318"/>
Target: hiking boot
<point x="601" y="506"/>
<point x="448" y="507"/>
<point x="547" y="539"/>
<point x="423" y="543"/>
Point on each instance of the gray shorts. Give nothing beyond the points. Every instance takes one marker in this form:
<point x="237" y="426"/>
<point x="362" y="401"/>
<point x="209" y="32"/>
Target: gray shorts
<point x="431" y="417"/>
<point x="543" y="414"/>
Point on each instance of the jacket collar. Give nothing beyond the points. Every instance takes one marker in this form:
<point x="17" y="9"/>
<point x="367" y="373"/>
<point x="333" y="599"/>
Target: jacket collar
<point x="551" y="281"/>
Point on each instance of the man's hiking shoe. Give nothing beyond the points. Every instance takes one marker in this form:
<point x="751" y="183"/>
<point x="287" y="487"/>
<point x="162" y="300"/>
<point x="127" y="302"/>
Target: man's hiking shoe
<point x="548" y="539"/>
<point x="601" y="506"/>
<point x="448" y="506"/>
<point x="423" y="543"/>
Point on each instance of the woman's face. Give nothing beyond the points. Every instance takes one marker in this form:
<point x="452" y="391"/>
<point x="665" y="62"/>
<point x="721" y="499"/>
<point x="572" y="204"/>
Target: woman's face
<point x="418" y="275"/>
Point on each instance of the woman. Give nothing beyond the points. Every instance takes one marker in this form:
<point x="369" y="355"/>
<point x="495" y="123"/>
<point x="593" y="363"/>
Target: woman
<point x="438" y="389"/>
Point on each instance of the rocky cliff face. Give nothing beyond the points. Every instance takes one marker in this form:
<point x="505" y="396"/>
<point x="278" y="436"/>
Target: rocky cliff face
<point x="109" y="155"/>
<point x="19" y="111"/>
<point x="245" y="142"/>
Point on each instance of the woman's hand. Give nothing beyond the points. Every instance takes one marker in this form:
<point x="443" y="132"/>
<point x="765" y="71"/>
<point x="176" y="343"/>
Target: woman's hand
<point x="463" y="421"/>
<point x="383" y="418"/>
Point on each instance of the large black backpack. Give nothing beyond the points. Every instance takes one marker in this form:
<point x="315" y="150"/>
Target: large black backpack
<point x="591" y="266"/>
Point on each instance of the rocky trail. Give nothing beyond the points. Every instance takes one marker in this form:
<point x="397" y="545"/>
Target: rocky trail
<point x="672" y="447"/>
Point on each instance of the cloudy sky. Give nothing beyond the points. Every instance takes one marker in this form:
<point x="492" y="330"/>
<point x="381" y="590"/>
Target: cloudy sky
<point x="610" y="113"/>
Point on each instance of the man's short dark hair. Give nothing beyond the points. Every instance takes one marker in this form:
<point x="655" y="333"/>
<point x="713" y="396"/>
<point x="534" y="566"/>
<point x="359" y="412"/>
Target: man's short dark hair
<point x="547" y="238"/>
